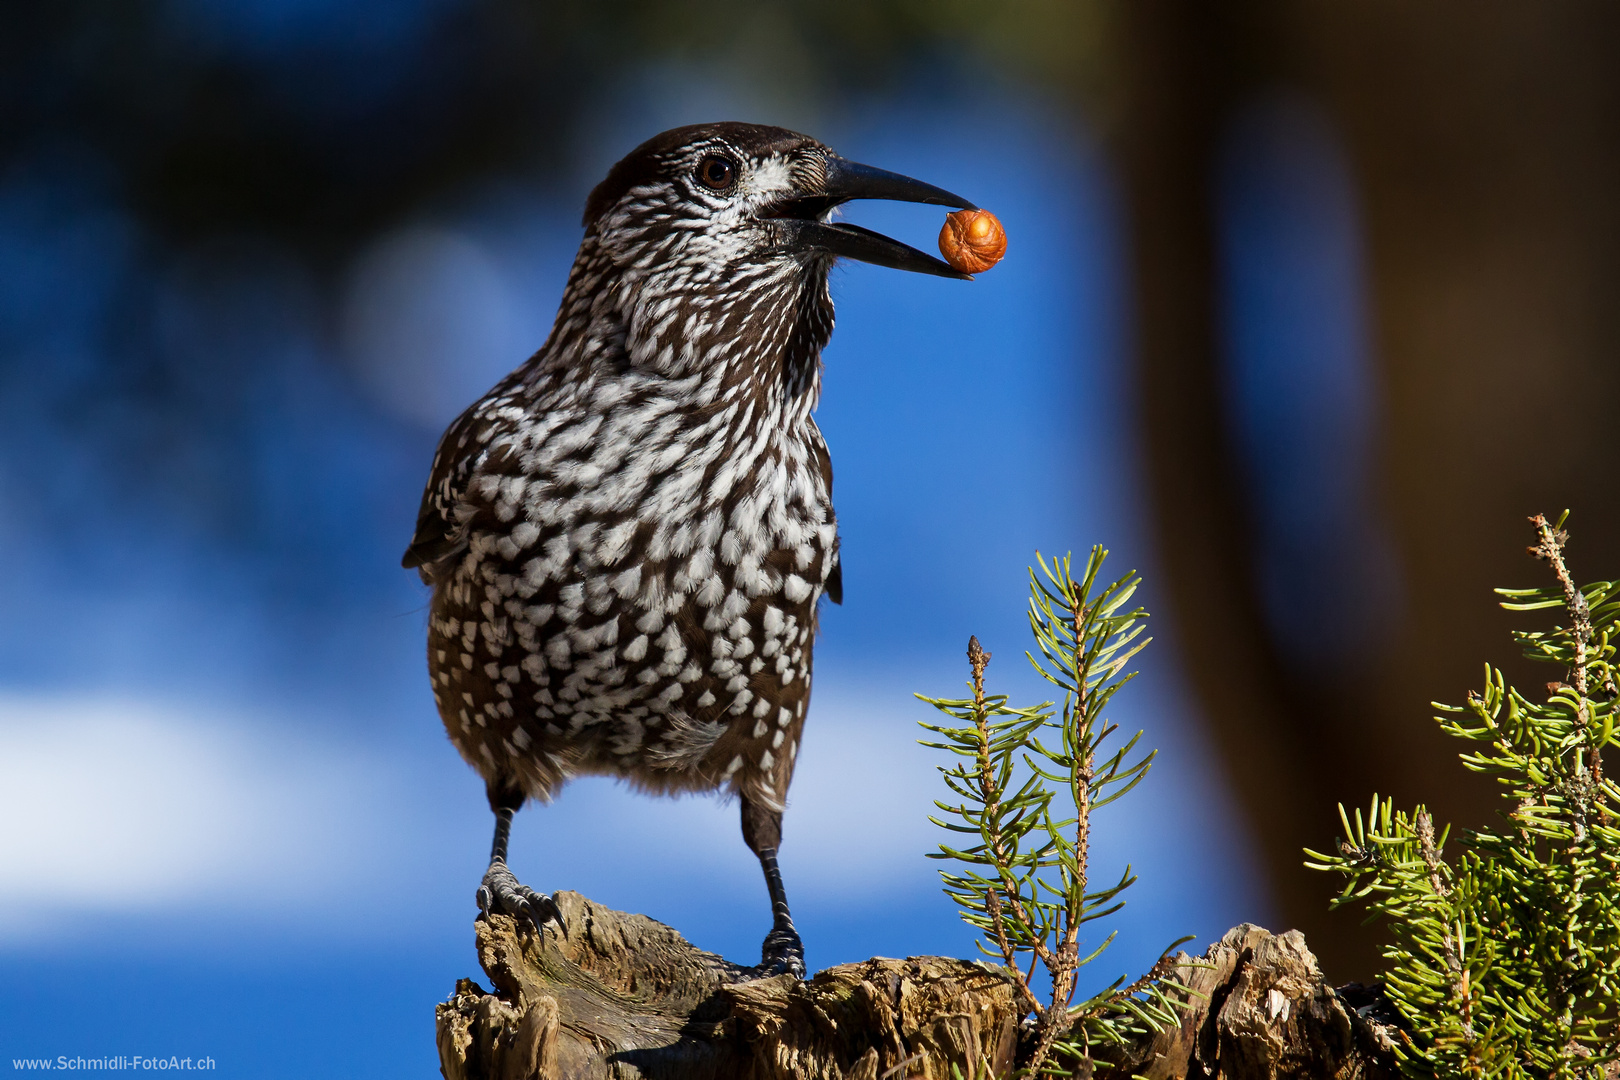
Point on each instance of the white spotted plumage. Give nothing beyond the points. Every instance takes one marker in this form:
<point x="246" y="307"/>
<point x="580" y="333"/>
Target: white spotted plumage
<point x="628" y="537"/>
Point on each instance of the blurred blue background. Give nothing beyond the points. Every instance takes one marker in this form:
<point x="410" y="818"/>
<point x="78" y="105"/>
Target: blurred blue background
<point x="253" y="258"/>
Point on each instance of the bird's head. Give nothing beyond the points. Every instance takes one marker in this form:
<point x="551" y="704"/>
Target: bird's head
<point x="707" y="250"/>
<point x="709" y="201"/>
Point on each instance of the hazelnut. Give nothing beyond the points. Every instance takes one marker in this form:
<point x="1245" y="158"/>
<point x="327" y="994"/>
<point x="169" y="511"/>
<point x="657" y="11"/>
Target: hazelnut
<point x="972" y="241"/>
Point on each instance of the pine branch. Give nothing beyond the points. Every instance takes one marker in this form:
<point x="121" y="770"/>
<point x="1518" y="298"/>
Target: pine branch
<point x="978" y="660"/>
<point x="1505" y="961"/>
<point x="1549" y="545"/>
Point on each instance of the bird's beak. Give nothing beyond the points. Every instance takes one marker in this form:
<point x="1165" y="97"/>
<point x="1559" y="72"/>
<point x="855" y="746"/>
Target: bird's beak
<point x="847" y="180"/>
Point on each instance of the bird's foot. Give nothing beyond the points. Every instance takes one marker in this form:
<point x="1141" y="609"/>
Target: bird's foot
<point x="502" y="892"/>
<point x="782" y="953"/>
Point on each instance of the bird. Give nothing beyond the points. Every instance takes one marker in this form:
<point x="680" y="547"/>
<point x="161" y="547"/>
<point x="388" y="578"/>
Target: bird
<point x="628" y="537"/>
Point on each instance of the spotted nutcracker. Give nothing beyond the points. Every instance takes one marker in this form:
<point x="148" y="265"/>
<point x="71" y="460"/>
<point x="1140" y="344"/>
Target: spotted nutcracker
<point x="628" y="536"/>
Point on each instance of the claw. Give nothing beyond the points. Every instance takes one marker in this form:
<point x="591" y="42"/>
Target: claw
<point x="782" y="954"/>
<point x="548" y="911"/>
<point x="501" y="891"/>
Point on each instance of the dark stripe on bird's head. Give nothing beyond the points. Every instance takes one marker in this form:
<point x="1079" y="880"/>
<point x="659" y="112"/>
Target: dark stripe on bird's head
<point x="649" y="162"/>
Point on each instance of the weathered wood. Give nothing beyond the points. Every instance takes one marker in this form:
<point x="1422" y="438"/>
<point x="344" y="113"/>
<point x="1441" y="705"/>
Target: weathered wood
<point x="1264" y="1011"/>
<point x="612" y="996"/>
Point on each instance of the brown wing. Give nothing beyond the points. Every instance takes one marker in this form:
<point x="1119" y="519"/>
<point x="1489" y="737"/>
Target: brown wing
<point x="447" y="513"/>
<point x="835" y="577"/>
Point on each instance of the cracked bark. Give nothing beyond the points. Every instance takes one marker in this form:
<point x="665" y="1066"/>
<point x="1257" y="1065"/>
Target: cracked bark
<point x="614" y="995"/>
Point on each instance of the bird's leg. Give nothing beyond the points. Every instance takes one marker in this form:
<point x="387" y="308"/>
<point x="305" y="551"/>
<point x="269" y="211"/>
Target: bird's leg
<point x="782" y="952"/>
<point x="501" y="891"/>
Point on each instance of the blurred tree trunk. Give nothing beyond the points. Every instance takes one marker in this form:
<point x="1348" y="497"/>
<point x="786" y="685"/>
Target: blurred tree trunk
<point x="1484" y="145"/>
<point x="1185" y="69"/>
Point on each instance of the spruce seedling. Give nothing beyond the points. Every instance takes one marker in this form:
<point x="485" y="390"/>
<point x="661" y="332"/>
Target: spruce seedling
<point x="1024" y="783"/>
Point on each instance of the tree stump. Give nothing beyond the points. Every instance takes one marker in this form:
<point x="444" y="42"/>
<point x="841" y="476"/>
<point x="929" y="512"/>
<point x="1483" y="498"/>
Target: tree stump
<point x="614" y="996"/>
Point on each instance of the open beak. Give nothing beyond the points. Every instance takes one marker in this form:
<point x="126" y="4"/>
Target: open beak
<point x="848" y="180"/>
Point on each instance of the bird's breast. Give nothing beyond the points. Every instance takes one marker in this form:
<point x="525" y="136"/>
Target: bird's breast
<point x="638" y="594"/>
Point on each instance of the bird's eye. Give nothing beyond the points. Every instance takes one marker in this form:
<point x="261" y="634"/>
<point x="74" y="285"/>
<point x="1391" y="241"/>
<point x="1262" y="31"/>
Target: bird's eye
<point x="716" y="173"/>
